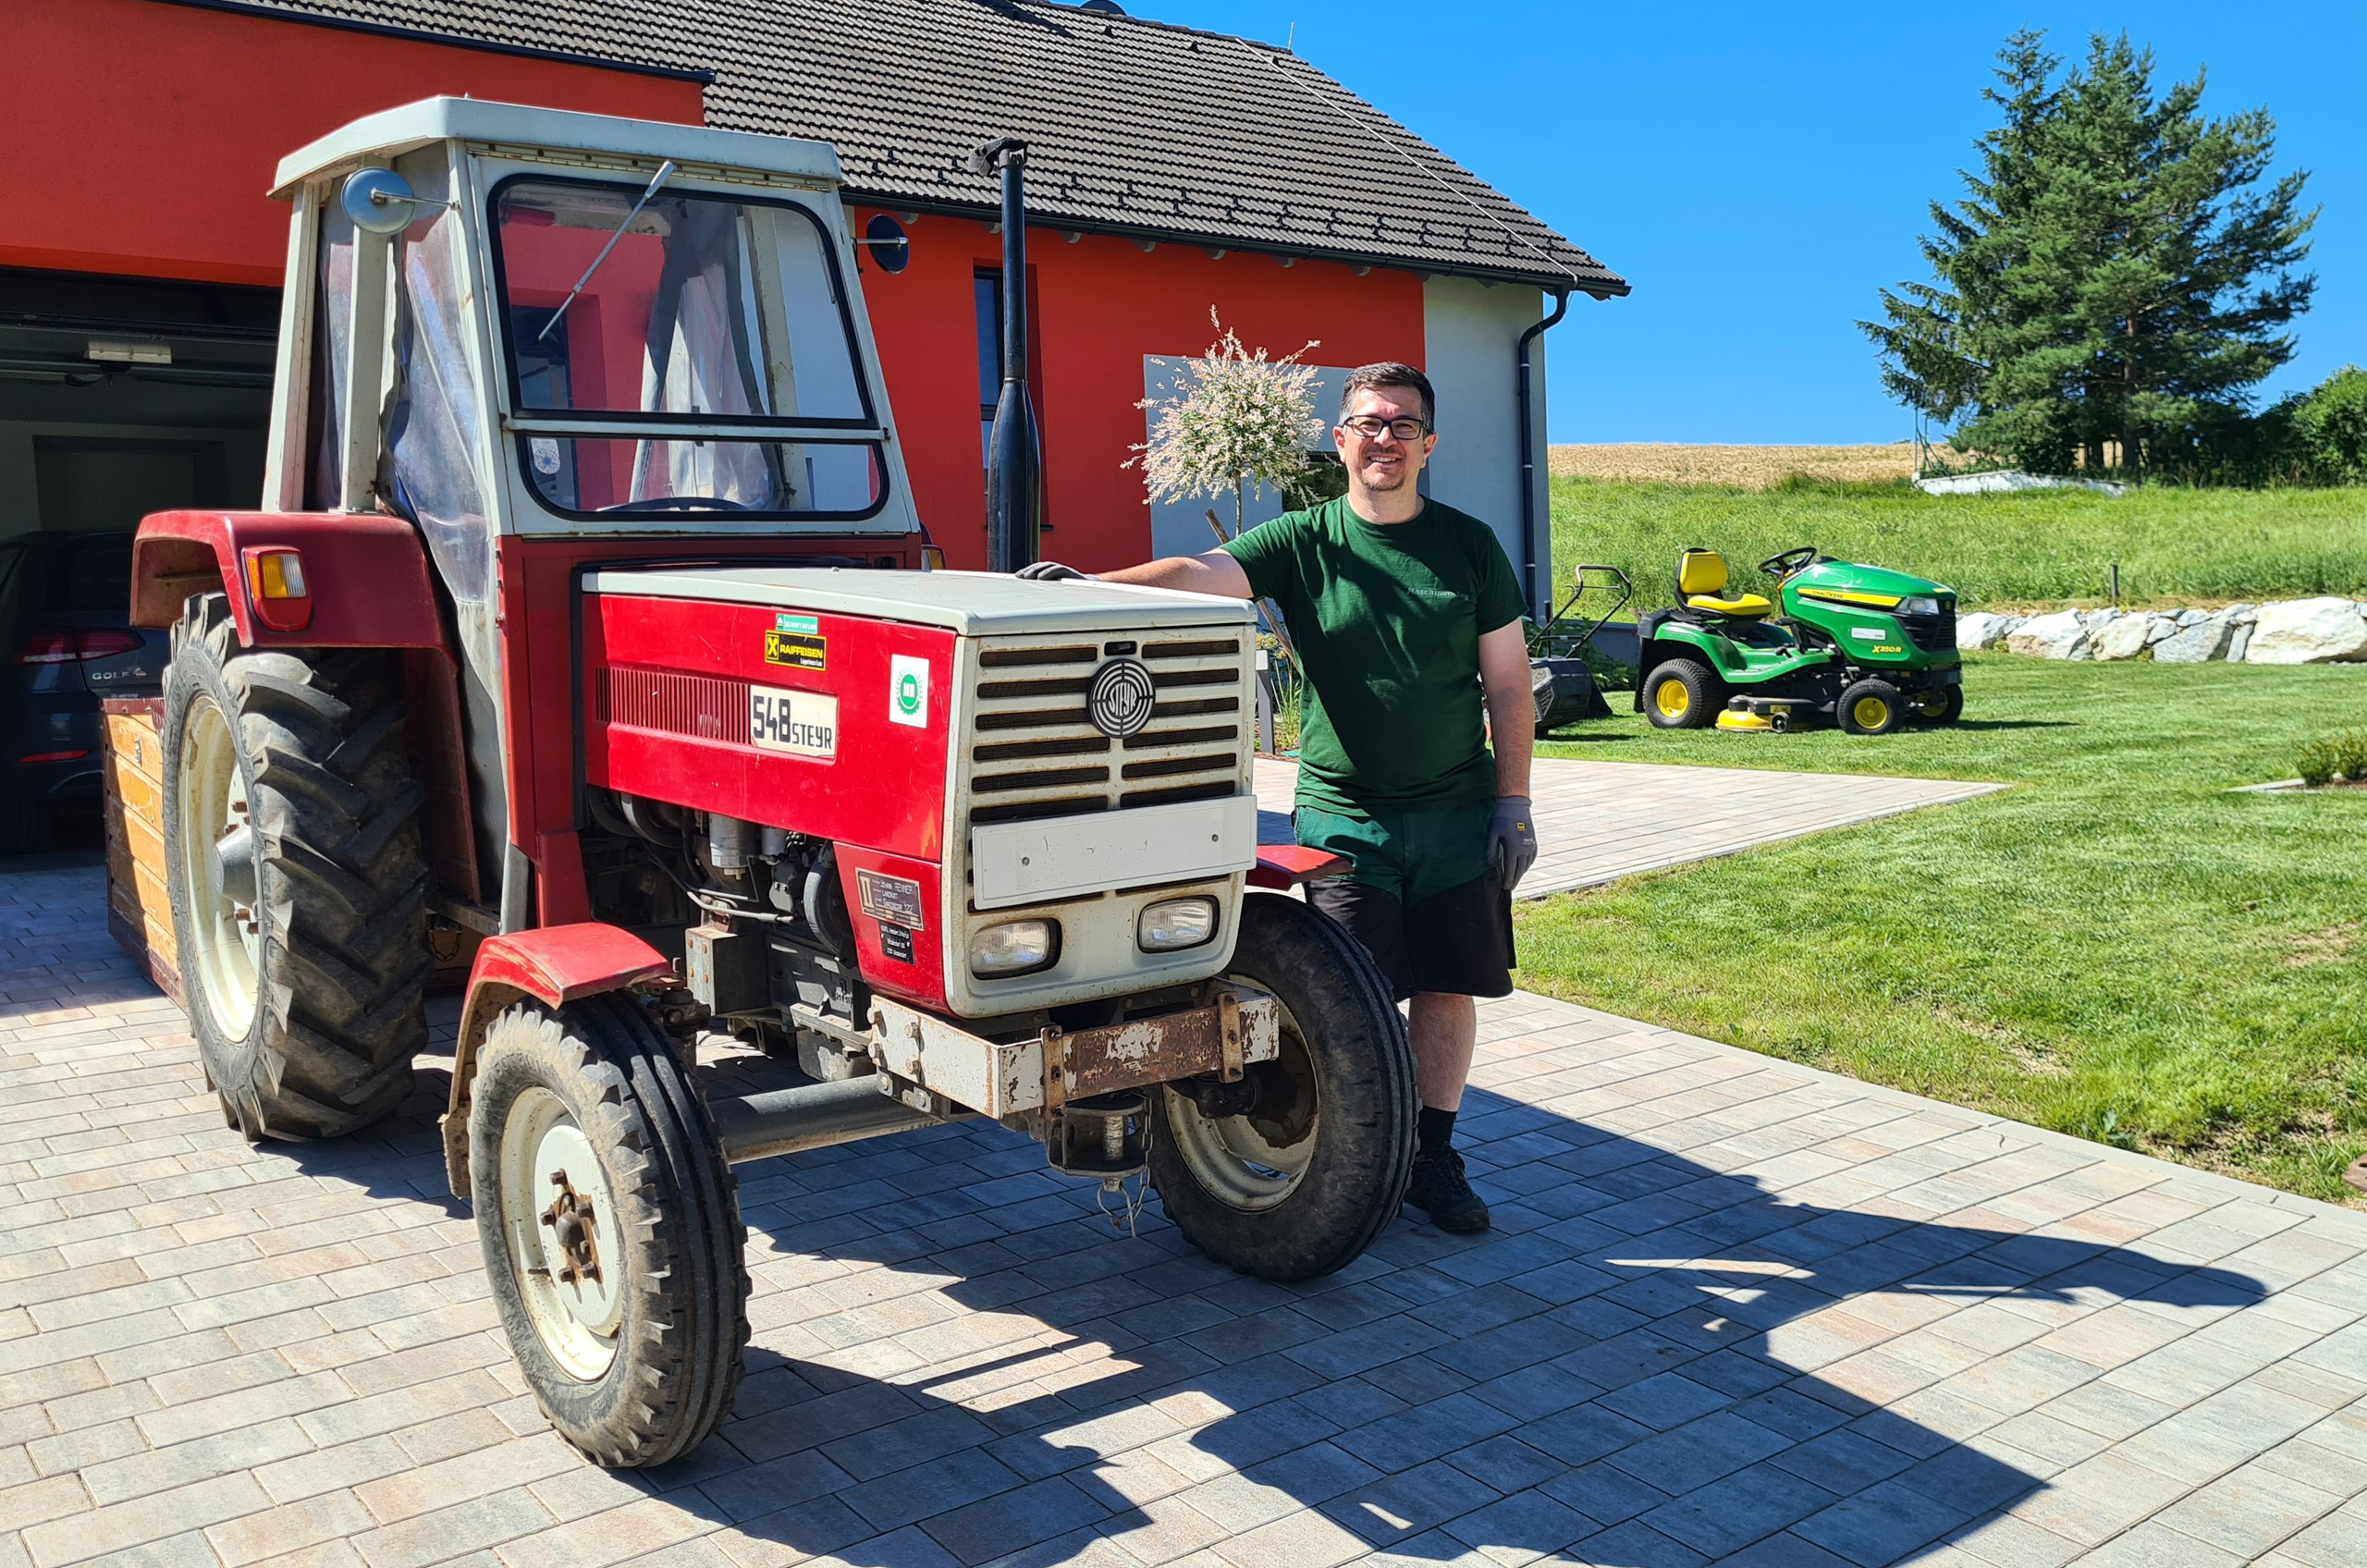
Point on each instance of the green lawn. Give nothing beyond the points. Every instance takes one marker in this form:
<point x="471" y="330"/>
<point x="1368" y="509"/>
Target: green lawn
<point x="2118" y="947"/>
<point x="2036" y="547"/>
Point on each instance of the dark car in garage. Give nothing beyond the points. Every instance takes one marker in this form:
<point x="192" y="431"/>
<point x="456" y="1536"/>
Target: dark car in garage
<point x="64" y="603"/>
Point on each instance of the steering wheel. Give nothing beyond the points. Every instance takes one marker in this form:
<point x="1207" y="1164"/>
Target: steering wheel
<point x="680" y="504"/>
<point x="1789" y="561"/>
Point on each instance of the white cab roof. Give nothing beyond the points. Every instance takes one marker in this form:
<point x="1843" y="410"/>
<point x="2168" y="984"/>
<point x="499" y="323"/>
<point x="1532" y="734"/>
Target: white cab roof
<point x="391" y="132"/>
<point x="970" y="602"/>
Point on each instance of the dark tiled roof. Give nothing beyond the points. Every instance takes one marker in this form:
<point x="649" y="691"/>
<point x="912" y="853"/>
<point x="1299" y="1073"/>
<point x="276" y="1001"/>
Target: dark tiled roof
<point x="1135" y="126"/>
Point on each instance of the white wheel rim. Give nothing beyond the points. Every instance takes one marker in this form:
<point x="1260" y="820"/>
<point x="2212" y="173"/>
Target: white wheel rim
<point x="548" y="1169"/>
<point x="1229" y="1157"/>
<point x="226" y="934"/>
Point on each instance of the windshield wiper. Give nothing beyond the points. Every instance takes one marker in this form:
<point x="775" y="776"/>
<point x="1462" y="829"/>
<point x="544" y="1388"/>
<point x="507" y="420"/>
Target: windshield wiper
<point x="665" y="172"/>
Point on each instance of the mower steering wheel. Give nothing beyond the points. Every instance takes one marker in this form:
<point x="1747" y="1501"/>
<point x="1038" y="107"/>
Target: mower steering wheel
<point x="1789" y="561"/>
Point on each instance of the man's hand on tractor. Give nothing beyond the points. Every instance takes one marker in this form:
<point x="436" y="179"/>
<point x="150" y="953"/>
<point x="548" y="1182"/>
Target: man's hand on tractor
<point x="1512" y="839"/>
<point x="1052" y="571"/>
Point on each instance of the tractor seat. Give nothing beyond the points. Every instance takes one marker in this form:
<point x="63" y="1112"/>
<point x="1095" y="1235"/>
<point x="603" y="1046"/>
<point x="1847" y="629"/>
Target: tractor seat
<point x="1700" y="585"/>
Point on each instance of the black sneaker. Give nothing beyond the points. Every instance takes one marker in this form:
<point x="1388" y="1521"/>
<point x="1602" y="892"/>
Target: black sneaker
<point x="1439" y="1190"/>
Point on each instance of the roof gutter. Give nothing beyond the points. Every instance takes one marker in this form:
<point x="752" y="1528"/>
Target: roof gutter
<point x="857" y="194"/>
<point x="1528" y="451"/>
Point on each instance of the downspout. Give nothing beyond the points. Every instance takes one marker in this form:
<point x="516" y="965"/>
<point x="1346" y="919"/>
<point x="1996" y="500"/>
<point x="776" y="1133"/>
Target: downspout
<point x="1528" y="451"/>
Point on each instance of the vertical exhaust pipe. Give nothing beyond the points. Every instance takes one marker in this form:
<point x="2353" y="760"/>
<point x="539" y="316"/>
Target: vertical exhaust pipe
<point x="1014" y="458"/>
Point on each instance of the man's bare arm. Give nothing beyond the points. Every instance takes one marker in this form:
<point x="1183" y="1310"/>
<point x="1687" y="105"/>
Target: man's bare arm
<point x="1512" y="710"/>
<point x="1215" y="572"/>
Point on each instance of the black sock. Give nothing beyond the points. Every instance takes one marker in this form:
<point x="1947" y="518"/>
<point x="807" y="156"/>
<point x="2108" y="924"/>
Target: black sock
<point x="1434" y="1130"/>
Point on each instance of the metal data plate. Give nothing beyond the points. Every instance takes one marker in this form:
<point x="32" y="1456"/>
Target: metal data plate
<point x="1020" y="862"/>
<point x="1003" y="1079"/>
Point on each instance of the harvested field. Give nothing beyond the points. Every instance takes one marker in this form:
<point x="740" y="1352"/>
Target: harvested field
<point x="1746" y="468"/>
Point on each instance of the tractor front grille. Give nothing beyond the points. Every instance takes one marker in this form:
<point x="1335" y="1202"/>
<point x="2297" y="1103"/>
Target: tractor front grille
<point x="1932" y="633"/>
<point x="1032" y="751"/>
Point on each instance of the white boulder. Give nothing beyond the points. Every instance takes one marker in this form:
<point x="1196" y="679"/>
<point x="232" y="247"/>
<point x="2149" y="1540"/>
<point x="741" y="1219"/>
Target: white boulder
<point x="2058" y="636"/>
<point x="2323" y="631"/>
<point x="2198" y="642"/>
<point x="2124" y="637"/>
<point x="1986" y="629"/>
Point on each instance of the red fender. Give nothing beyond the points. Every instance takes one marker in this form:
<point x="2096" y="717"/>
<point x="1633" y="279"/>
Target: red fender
<point x="1285" y="867"/>
<point x="366" y="575"/>
<point x="555" y="966"/>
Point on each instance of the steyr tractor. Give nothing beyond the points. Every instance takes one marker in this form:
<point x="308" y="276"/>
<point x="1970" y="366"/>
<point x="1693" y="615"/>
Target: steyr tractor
<point x="588" y="618"/>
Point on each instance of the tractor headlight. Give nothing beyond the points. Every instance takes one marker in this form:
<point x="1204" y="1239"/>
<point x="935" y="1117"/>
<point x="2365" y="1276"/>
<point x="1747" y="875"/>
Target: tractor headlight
<point x="1016" y="947"/>
<point x="1176" y="924"/>
<point x="1919" y="605"/>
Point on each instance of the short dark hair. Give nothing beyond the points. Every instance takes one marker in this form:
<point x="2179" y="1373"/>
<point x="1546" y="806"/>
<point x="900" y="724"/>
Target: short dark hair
<point x="1388" y="372"/>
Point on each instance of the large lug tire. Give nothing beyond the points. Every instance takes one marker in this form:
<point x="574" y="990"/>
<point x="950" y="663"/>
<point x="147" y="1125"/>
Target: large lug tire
<point x="1872" y="707"/>
<point x="1301" y="1183"/>
<point x="1683" y="694"/>
<point x="298" y="888"/>
<point x="610" y="1225"/>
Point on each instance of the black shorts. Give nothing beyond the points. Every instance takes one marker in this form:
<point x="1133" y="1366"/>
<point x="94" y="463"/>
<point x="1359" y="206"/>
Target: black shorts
<point x="1458" y="942"/>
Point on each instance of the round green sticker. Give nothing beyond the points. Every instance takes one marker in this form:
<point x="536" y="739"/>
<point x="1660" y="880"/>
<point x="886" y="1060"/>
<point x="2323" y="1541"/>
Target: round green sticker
<point x="908" y="692"/>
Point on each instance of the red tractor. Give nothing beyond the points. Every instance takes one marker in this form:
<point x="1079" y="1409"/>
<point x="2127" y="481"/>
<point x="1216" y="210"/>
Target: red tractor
<point x="588" y="619"/>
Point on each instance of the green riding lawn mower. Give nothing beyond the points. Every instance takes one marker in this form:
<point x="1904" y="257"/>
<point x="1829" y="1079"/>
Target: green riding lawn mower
<point x="1868" y="648"/>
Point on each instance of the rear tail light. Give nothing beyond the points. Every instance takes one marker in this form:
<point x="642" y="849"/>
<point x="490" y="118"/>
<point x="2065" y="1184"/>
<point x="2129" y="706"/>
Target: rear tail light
<point x="49" y="645"/>
<point x="55" y="756"/>
<point x="275" y="588"/>
<point x="76" y="644"/>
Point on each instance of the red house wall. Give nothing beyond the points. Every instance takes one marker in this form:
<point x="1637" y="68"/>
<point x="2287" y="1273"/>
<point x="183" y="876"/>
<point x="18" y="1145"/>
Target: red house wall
<point x="142" y="137"/>
<point x="1099" y="305"/>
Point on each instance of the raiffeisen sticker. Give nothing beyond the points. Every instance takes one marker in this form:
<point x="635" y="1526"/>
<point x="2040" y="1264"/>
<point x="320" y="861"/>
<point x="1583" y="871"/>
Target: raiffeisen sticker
<point x="803" y="724"/>
<point x="908" y="690"/>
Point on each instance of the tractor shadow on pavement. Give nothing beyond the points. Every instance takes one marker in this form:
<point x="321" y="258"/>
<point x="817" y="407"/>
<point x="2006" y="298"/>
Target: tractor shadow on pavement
<point x="956" y="1360"/>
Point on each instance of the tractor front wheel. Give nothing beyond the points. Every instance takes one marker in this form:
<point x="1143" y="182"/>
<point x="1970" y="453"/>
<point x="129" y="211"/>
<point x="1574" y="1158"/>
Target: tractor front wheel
<point x="293" y="863"/>
<point x="1940" y="704"/>
<point x="1300" y="1182"/>
<point x="610" y="1225"/>
<point x="1872" y="707"/>
<point x="1683" y="694"/>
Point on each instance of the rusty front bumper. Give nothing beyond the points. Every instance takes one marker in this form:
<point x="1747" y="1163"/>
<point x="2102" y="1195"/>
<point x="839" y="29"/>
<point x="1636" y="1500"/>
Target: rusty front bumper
<point x="941" y="1058"/>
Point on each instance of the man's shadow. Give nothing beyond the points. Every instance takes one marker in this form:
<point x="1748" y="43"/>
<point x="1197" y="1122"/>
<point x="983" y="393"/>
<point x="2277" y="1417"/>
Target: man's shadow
<point x="1597" y="1378"/>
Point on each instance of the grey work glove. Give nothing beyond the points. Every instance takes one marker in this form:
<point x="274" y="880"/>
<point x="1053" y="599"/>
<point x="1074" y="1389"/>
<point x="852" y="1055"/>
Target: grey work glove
<point x="1051" y="572"/>
<point x="1512" y="839"/>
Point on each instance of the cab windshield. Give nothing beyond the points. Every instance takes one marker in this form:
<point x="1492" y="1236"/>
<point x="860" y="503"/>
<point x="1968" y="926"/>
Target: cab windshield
<point x="706" y="363"/>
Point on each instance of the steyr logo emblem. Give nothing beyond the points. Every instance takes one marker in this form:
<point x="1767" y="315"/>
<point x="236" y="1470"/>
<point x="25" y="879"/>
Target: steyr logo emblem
<point x="1120" y="702"/>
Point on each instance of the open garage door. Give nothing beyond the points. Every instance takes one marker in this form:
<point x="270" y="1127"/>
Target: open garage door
<point x="118" y="396"/>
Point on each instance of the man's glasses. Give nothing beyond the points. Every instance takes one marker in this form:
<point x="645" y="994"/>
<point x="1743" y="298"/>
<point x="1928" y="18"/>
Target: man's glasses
<point x="1369" y="426"/>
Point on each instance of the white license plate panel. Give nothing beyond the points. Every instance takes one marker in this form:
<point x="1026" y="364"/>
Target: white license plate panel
<point x="1019" y="862"/>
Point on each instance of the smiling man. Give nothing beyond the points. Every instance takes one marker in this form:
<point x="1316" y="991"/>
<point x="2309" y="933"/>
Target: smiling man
<point x="1403" y="612"/>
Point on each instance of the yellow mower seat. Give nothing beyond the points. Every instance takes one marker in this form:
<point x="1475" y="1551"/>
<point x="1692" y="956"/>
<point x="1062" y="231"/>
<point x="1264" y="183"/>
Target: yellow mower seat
<point x="1701" y="582"/>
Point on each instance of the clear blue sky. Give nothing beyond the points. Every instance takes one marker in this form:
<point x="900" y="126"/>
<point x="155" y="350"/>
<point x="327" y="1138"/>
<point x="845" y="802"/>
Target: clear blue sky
<point x="1758" y="171"/>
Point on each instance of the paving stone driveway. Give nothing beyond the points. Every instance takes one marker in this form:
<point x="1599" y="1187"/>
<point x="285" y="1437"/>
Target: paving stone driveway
<point x="1599" y="821"/>
<point x="1733" y="1310"/>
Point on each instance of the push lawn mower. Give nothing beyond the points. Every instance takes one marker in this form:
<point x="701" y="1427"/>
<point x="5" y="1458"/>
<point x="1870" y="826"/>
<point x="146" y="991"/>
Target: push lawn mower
<point x="1866" y="648"/>
<point x="1560" y="680"/>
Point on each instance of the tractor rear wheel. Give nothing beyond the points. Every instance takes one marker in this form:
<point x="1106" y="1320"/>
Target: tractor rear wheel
<point x="292" y="857"/>
<point x="1300" y="1182"/>
<point x="1683" y="694"/>
<point x="610" y="1225"/>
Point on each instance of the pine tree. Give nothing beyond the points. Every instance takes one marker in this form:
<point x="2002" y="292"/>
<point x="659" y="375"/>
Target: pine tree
<point x="2111" y="287"/>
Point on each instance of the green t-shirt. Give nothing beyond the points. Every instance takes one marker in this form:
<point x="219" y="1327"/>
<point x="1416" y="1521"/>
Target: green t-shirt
<point x="1387" y="620"/>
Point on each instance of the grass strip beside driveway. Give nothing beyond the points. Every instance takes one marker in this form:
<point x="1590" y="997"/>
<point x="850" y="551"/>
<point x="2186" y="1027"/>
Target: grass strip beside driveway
<point x="2118" y="947"/>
